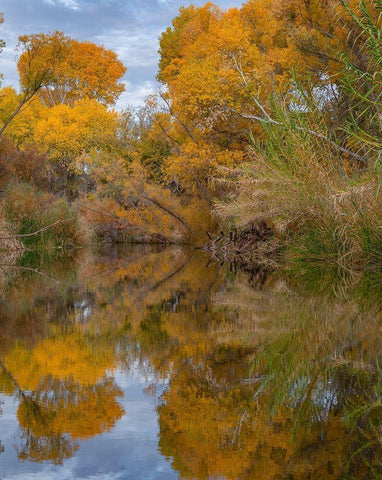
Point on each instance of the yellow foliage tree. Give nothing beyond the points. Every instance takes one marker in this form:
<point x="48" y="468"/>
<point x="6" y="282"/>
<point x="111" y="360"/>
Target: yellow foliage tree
<point x="70" y="133"/>
<point x="69" y="70"/>
<point x="21" y="130"/>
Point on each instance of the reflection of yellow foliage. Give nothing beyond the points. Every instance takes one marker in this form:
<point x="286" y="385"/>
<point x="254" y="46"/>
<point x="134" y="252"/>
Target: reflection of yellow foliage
<point x="65" y="357"/>
<point x="226" y="434"/>
<point x="260" y="378"/>
<point x="70" y="408"/>
<point x="215" y="421"/>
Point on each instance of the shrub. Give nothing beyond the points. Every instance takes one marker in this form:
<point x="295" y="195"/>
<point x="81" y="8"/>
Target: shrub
<point x="27" y="165"/>
<point x="29" y="209"/>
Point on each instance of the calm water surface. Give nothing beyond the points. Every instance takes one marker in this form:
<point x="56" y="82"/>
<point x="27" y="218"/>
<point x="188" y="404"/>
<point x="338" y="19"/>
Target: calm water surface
<point x="156" y="363"/>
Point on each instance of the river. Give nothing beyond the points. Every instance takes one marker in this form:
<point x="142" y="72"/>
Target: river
<point x="158" y="363"/>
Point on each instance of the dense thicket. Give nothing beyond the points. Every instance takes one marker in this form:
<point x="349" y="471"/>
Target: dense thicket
<point x="269" y="112"/>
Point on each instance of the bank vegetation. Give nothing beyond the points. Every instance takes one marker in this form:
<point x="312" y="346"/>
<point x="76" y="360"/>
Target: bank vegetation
<point x="269" y="115"/>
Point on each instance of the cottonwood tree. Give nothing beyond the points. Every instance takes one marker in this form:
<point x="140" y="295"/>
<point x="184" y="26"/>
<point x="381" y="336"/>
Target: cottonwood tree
<point x="63" y="70"/>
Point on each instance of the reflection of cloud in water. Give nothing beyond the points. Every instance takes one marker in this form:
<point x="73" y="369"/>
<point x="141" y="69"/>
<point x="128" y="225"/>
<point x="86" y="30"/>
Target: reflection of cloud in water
<point x="130" y="450"/>
<point x="180" y="339"/>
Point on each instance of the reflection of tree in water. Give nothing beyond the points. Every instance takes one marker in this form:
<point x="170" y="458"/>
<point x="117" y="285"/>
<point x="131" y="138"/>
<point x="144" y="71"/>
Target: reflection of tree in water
<point x="64" y="395"/>
<point x="215" y="422"/>
<point x="260" y="377"/>
<point x="59" y="413"/>
<point x="307" y="357"/>
<point x="1" y="445"/>
<point x="313" y="365"/>
<point x="54" y="448"/>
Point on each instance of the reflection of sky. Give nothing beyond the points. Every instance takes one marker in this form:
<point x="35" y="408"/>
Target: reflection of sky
<point x="129" y="27"/>
<point x="129" y="451"/>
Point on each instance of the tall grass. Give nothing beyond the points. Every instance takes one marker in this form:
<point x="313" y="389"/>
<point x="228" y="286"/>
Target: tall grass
<point x="324" y="209"/>
<point x="320" y="186"/>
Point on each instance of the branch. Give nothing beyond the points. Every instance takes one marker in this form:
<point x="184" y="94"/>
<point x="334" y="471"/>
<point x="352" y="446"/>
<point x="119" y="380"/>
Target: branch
<point x="239" y="68"/>
<point x="23" y="235"/>
<point x="23" y="102"/>
<point x="204" y="192"/>
<point x="155" y="202"/>
<point x="269" y="119"/>
<point x="302" y="129"/>
<point x="29" y="269"/>
<point x="323" y="55"/>
<point x="101" y="212"/>
<point x="29" y="92"/>
<point x="183" y="125"/>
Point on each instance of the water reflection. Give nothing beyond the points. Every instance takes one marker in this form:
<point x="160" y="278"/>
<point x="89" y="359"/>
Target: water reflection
<point x="245" y="376"/>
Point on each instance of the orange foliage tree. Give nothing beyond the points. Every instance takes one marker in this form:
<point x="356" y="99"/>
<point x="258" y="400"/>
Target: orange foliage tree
<point x="79" y="69"/>
<point x="64" y="70"/>
<point x="221" y="69"/>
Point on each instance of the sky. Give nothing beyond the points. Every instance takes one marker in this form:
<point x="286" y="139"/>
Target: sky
<point x="129" y="27"/>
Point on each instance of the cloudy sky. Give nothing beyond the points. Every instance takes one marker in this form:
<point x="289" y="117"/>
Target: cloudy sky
<point x="129" y="27"/>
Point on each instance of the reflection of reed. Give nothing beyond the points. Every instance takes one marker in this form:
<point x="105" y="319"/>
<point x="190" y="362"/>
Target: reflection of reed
<point x="230" y="348"/>
<point x="311" y="362"/>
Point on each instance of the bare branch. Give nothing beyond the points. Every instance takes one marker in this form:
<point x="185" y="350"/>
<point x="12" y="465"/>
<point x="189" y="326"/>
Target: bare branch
<point x="29" y="269"/>
<point x="183" y="125"/>
<point x="24" y="235"/>
<point x="165" y="209"/>
<point x="239" y="68"/>
<point x="356" y="156"/>
<point x="25" y="100"/>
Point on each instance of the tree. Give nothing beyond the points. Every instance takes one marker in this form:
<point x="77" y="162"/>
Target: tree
<point x="69" y="133"/>
<point x="64" y="70"/>
<point x="81" y="69"/>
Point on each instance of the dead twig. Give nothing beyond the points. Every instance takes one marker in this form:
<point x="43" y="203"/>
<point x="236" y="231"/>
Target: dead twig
<point x="24" y="235"/>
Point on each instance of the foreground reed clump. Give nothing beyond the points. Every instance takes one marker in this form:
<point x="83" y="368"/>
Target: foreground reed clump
<point x="317" y="172"/>
<point x="322" y="208"/>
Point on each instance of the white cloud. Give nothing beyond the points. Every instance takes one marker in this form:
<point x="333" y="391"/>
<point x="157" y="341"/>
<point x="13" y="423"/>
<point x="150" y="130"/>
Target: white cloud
<point x="138" y="49"/>
<point x="135" y="94"/>
<point x="72" y="4"/>
<point x="129" y="27"/>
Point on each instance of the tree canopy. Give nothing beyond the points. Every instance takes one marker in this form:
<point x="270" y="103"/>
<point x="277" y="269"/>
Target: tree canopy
<point x="68" y="70"/>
